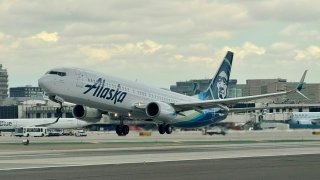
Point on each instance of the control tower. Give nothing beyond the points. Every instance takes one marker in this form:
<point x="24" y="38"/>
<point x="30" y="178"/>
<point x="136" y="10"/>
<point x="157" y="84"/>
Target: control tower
<point x="3" y="84"/>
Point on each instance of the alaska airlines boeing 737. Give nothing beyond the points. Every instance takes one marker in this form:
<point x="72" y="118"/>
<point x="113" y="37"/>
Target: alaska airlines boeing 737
<point x="96" y="94"/>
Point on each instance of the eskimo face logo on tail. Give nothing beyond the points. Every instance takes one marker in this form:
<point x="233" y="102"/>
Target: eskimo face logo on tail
<point x="222" y="85"/>
<point x="107" y="93"/>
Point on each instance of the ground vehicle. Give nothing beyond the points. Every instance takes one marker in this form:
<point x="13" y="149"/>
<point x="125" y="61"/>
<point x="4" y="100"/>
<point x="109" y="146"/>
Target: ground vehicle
<point x="54" y="132"/>
<point x="35" y="131"/>
<point x="18" y="132"/>
<point x="68" y="133"/>
<point x="80" y="133"/>
<point x="217" y="131"/>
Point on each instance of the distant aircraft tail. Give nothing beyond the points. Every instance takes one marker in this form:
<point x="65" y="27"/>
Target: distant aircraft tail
<point x="218" y="87"/>
<point x="301" y="85"/>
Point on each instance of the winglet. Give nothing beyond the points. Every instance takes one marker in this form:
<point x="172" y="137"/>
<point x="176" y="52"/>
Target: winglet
<point x="301" y="83"/>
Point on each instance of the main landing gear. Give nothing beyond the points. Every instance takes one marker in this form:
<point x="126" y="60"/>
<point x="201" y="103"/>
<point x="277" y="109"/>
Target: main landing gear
<point x="165" y="128"/>
<point x="122" y="130"/>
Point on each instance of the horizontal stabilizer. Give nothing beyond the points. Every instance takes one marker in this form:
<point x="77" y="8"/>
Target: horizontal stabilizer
<point x="303" y="95"/>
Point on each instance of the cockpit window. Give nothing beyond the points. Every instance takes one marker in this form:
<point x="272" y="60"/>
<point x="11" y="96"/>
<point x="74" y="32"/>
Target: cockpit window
<point x="57" y="73"/>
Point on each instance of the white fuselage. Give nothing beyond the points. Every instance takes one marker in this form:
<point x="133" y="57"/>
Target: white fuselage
<point x="63" y="123"/>
<point x="306" y="118"/>
<point x="116" y="95"/>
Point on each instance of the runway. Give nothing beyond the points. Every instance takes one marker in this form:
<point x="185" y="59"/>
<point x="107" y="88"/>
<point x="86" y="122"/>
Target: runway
<point x="279" y="167"/>
<point x="172" y="157"/>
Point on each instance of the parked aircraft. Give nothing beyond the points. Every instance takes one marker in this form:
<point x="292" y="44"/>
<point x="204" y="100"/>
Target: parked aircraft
<point x="96" y="94"/>
<point x="63" y="123"/>
<point x="305" y="120"/>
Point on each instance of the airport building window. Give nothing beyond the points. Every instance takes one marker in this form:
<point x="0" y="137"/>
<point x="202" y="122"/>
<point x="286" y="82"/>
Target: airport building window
<point x="314" y="109"/>
<point x="8" y="112"/>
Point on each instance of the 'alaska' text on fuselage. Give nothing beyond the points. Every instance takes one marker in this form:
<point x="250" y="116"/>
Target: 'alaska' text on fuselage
<point x="114" y="95"/>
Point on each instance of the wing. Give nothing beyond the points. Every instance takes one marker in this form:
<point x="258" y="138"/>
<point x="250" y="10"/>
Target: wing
<point x="315" y="121"/>
<point x="224" y="103"/>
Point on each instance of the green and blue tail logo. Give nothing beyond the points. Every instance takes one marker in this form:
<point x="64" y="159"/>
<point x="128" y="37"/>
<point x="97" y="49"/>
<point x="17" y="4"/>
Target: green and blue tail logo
<point x="218" y="87"/>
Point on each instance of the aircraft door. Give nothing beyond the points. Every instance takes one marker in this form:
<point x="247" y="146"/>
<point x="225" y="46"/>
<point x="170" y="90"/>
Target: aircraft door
<point x="80" y="79"/>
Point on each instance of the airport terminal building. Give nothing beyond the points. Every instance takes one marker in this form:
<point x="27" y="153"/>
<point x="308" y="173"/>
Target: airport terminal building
<point x="255" y="87"/>
<point x="26" y="92"/>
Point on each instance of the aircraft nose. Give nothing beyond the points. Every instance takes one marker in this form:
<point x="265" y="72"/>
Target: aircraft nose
<point x="42" y="82"/>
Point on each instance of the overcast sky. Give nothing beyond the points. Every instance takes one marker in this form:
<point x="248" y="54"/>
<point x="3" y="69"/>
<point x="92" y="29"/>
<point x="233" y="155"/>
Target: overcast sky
<point x="160" y="42"/>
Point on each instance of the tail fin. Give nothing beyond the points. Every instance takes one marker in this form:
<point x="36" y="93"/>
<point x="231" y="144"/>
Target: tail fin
<point x="218" y="87"/>
<point x="301" y="85"/>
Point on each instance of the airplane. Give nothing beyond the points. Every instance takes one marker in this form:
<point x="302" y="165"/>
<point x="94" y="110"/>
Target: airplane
<point x="63" y="123"/>
<point x="305" y="120"/>
<point x="95" y="94"/>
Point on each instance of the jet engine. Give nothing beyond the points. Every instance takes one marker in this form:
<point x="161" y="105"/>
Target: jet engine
<point x="160" y="111"/>
<point x="86" y="113"/>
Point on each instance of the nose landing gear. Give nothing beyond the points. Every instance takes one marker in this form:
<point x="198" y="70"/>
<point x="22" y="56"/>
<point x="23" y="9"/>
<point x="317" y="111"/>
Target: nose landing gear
<point x="59" y="111"/>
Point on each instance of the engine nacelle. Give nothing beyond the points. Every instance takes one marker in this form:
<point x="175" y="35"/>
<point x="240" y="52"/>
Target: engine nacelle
<point x="160" y="111"/>
<point x="86" y="113"/>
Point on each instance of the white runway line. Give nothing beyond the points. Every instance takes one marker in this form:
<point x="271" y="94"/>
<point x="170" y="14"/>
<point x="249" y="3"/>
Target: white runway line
<point x="273" y="150"/>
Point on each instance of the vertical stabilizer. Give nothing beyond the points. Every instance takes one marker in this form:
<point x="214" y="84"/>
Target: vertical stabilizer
<point x="218" y="87"/>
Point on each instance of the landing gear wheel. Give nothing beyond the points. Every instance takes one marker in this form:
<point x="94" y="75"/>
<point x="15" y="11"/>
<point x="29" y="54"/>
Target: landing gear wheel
<point x="122" y="130"/>
<point x="119" y="130"/>
<point x="161" y="129"/>
<point x="168" y="129"/>
<point x="125" y="130"/>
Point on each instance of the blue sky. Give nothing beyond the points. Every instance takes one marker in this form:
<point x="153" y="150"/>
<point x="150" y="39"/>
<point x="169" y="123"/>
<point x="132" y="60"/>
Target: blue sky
<point x="160" y="42"/>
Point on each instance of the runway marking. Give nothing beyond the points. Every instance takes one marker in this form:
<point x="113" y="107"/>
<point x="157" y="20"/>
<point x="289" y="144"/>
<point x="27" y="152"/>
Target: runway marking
<point x="231" y="146"/>
<point x="145" y="162"/>
<point x="157" y="149"/>
<point x="29" y="155"/>
<point x="130" y="159"/>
